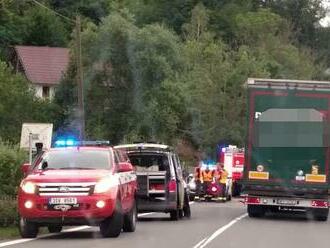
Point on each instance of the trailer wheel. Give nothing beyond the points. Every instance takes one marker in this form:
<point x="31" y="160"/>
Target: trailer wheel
<point x="321" y="214"/>
<point x="256" y="211"/>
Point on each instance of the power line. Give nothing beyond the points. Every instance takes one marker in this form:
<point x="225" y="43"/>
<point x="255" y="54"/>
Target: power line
<point x="80" y="87"/>
<point x="53" y="11"/>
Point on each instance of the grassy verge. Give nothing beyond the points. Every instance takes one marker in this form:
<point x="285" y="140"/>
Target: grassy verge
<point x="9" y="232"/>
<point x="12" y="232"/>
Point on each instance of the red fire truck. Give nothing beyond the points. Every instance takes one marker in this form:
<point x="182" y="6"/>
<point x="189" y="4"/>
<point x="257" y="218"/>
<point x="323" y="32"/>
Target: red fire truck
<point x="233" y="160"/>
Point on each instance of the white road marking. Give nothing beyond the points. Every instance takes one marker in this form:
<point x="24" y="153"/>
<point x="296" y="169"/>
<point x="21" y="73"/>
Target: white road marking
<point x="200" y="243"/>
<point x="74" y="229"/>
<point x="14" y="242"/>
<point x="145" y="214"/>
<point x="19" y="241"/>
<point x="220" y="231"/>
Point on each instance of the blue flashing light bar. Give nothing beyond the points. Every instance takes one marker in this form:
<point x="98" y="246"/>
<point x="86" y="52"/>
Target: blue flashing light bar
<point x="210" y="164"/>
<point x="66" y="143"/>
<point x="72" y="142"/>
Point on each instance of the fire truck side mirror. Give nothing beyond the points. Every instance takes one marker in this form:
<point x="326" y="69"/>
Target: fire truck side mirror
<point x="39" y="147"/>
<point x="25" y="168"/>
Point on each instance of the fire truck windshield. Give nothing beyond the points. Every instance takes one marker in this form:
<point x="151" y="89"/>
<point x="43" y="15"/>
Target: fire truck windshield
<point x="75" y="159"/>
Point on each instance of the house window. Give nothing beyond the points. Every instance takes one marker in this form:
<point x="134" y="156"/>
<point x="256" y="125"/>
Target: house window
<point x="45" y="91"/>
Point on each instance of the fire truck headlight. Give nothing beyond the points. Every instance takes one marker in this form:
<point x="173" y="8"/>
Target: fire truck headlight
<point x="28" y="187"/>
<point x="100" y="204"/>
<point x="28" y="204"/>
<point x="105" y="184"/>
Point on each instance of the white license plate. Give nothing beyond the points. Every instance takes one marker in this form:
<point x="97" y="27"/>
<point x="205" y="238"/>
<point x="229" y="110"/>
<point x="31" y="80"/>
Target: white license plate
<point x="55" y="201"/>
<point x="287" y="202"/>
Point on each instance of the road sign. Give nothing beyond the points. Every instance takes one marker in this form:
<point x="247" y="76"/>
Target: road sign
<point x="36" y="132"/>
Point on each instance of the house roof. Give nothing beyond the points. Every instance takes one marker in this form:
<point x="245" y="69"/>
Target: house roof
<point x="43" y="65"/>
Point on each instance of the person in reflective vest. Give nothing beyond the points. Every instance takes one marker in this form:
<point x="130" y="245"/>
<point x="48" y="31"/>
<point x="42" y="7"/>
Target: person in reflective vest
<point x="223" y="180"/>
<point x="206" y="178"/>
<point x="197" y="176"/>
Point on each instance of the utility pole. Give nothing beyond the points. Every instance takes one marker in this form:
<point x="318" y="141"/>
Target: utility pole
<point x="80" y="83"/>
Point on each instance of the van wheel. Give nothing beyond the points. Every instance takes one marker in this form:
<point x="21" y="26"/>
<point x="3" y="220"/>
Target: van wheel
<point x="111" y="226"/>
<point x="256" y="211"/>
<point x="321" y="214"/>
<point x="28" y="229"/>
<point x="130" y="220"/>
<point x="174" y="214"/>
<point x="55" y="228"/>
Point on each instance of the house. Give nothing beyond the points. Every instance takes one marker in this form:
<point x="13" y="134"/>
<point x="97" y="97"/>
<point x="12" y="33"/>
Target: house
<point x="43" y="67"/>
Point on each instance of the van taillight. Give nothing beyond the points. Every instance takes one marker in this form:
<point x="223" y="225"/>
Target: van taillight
<point x="252" y="200"/>
<point x="320" y="204"/>
<point x="172" y="186"/>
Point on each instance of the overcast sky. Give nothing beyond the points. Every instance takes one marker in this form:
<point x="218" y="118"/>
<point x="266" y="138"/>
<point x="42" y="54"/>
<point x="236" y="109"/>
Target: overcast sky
<point x="326" y="21"/>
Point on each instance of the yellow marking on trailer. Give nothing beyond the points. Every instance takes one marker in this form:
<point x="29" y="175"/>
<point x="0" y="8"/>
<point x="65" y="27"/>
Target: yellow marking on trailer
<point x="259" y="175"/>
<point x="316" y="178"/>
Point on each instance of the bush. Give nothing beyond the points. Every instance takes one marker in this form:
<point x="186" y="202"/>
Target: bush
<point x="8" y="211"/>
<point x="11" y="159"/>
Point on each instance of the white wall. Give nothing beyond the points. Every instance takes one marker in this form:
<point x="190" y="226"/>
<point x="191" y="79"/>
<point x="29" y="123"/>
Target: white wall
<point x="38" y="90"/>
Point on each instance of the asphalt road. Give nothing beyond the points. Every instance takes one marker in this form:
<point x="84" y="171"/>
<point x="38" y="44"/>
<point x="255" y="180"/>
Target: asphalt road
<point x="212" y="225"/>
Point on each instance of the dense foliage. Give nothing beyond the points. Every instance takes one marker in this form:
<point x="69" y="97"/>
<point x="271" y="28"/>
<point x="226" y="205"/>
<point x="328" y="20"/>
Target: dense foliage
<point x="11" y="159"/>
<point x="171" y="71"/>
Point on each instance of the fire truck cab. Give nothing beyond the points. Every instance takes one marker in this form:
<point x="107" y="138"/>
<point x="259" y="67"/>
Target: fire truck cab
<point x="233" y="160"/>
<point x="78" y="185"/>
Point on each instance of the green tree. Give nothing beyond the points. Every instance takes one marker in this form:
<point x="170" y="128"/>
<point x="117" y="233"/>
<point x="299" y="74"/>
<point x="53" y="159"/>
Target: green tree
<point x="18" y="105"/>
<point x="43" y="28"/>
<point x="304" y="16"/>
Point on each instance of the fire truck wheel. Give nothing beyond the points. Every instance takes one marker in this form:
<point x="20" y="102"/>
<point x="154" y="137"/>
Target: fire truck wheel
<point x="256" y="211"/>
<point x="321" y="214"/>
<point x="55" y="228"/>
<point x="174" y="214"/>
<point x="28" y="229"/>
<point x="111" y="226"/>
<point x="186" y="207"/>
<point x="130" y="220"/>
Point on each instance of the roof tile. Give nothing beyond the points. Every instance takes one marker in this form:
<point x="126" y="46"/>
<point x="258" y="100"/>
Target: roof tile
<point x="43" y="65"/>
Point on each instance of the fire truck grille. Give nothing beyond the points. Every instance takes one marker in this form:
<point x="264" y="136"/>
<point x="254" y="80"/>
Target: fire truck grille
<point x="65" y="189"/>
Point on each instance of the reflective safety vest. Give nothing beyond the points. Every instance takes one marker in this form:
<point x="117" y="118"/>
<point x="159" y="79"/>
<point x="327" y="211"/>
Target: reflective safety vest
<point x="207" y="176"/>
<point x="223" y="177"/>
<point x="197" y="174"/>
